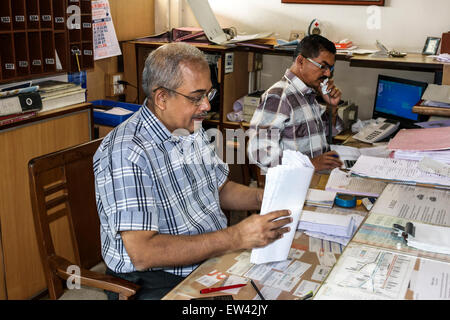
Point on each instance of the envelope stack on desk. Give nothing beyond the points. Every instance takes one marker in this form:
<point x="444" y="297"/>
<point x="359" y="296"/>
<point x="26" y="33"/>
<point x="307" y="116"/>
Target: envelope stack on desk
<point x="285" y="189"/>
<point x="326" y="226"/>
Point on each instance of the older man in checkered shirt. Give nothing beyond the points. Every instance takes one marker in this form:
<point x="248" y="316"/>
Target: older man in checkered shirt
<point x="289" y="116"/>
<point x="161" y="188"/>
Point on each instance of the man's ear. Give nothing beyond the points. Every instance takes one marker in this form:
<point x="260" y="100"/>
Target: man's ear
<point x="160" y="98"/>
<point x="300" y="60"/>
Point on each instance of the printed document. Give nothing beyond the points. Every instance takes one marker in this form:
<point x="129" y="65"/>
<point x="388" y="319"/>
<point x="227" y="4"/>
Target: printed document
<point x="364" y="273"/>
<point x="414" y="203"/>
<point x="403" y="171"/>
<point x="343" y="182"/>
<point x="432" y="281"/>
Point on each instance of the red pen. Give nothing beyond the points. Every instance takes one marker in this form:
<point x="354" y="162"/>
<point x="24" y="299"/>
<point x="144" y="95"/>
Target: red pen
<point x="209" y="290"/>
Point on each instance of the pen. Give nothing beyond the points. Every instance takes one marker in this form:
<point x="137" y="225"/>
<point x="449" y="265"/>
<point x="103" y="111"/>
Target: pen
<point x="208" y="290"/>
<point x="257" y="290"/>
<point x="307" y="296"/>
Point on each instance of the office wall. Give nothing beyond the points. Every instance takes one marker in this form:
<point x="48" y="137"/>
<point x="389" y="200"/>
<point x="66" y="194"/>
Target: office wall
<point x="404" y="25"/>
<point x="132" y="19"/>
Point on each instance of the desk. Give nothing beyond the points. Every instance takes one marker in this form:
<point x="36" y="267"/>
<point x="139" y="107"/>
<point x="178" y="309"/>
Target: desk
<point x="189" y="288"/>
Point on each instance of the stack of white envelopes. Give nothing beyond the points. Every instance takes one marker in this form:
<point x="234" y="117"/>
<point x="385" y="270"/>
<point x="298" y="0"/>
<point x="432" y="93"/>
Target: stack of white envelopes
<point x="285" y="189"/>
<point x="327" y="226"/>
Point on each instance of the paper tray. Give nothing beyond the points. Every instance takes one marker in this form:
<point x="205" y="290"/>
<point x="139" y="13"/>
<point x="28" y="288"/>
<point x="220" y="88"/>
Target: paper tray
<point x="112" y="120"/>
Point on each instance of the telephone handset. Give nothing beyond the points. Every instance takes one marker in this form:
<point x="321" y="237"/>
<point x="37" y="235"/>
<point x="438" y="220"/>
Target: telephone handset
<point x="376" y="132"/>
<point x="324" y="87"/>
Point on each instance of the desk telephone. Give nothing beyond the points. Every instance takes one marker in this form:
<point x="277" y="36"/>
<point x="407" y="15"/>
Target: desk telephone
<point x="376" y="132"/>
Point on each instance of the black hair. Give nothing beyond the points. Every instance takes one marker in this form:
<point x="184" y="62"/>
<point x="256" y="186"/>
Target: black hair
<point x="311" y="46"/>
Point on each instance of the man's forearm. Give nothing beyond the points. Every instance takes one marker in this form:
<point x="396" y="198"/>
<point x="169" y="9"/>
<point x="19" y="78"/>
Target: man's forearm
<point x="235" y="196"/>
<point x="162" y="250"/>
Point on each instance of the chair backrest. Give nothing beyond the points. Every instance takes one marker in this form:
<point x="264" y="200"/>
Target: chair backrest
<point x="63" y="201"/>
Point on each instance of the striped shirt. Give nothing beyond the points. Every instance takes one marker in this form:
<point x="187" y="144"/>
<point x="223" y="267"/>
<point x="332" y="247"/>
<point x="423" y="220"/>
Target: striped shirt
<point x="288" y="117"/>
<point x="148" y="179"/>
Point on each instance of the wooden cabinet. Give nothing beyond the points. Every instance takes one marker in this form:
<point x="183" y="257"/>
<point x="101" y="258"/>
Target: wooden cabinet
<point x="42" y="37"/>
<point x="21" y="274"/>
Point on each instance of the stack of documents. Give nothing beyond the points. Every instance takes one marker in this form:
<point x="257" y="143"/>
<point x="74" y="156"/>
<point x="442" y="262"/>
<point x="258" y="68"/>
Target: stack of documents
<point x="430" y="238"/>
<point x="421" y="139"/>
<point x="320" y="198"/>
<point x="329" y="226"/>
<point x="437" y="96"/>
<point x="285" y="189"/>
<point x="332" y="224"/>
<point x="402" y="171"/>
<point x="343" y="182"/>
<point x="441" y="156"/>
<point x="430" y="146"/>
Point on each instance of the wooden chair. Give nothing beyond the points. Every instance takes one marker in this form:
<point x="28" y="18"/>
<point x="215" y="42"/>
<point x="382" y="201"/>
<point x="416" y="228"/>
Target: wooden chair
<point x="63" y="201"/>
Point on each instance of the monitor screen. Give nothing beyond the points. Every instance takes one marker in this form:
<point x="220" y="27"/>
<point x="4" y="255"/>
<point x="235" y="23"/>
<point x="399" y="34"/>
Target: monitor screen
<point x="396" y="97"/>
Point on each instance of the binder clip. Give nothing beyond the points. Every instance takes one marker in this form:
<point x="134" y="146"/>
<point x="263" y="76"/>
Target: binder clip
<point x="403" y="232"/>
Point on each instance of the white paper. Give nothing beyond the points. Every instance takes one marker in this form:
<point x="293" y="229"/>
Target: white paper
<point x="258" y="272"/>
<point x="414" y="203"/>
<point x="211" y="278"/>
<point x="295" y="254"/>
<point x="231" y="280"/>
<point x="240" y="267"/>
<point x="268" y="293"/>
<point x="351" y="153"/>
<point x="368" y="273"/>
<point x="320" y="273"/>
<point x="117" y="111"/>
<point x="326" y="259"/>
<point x="320" y="245"/>
<point x="396" y="170"/>
<point x="430" y="238"/>
<point x="336" y="225"/>
<point x="432" y="281"/>
<point x="297" y="268"/>
<point x="285" y="189"/>
<point x="343" y="182"/>
<point x="320" y="198"/>
<point x="432" y="166"/>
<point x="283" y="281"/>
<point x="105" y="39"/>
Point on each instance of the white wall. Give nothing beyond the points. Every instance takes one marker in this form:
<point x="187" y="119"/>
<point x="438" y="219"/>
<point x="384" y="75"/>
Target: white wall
<point x="404" y="25"/>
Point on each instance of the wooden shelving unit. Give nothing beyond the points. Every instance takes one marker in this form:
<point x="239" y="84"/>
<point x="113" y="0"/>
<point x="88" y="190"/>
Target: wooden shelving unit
<point x="34" y="34"/>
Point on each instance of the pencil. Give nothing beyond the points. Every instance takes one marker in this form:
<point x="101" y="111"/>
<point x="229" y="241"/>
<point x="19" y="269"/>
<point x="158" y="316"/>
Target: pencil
<point x="257" y="290"/>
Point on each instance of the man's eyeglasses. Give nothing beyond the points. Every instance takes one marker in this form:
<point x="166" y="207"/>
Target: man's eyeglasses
<point x="197" y="101"/>
<point x="321" y="66"/>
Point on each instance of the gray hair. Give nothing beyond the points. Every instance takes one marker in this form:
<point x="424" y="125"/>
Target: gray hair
<point x="162" y="66"/>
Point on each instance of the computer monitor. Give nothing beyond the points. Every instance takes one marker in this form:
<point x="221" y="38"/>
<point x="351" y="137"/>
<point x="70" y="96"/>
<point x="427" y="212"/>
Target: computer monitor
<point x="395" y="98"/>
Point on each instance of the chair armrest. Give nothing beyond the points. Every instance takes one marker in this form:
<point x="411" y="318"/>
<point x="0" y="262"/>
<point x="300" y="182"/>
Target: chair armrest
<point x="124" y="288"/>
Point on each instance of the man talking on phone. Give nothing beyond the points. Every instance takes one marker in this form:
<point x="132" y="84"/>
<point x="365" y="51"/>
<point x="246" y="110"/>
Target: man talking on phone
<point x="290" y="114"/>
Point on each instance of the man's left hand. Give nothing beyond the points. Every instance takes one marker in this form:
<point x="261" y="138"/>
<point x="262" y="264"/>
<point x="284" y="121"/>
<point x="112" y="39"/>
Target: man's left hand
<point x="335" y="94"/>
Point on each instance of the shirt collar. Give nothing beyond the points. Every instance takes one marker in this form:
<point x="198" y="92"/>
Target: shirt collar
<point x="299" y="84"/>
<point x="158" y="131"/>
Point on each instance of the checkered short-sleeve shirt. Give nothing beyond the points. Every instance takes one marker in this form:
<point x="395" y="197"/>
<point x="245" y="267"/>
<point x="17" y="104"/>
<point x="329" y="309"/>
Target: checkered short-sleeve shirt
<point x="148" y="179"/>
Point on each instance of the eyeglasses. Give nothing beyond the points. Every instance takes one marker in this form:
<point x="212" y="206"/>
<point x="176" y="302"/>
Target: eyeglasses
<point x="197" y="101"/>
<point x="321" y="66"/>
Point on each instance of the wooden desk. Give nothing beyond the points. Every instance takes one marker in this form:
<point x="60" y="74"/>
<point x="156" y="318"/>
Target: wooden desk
<point x="189" y="288"/>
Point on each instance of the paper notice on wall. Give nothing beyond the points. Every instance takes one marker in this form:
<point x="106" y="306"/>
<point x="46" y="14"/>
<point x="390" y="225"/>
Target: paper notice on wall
<point x="105" y="39"/>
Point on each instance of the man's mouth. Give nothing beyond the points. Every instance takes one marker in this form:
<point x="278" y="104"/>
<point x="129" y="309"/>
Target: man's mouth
<point x="200" y="116"/>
